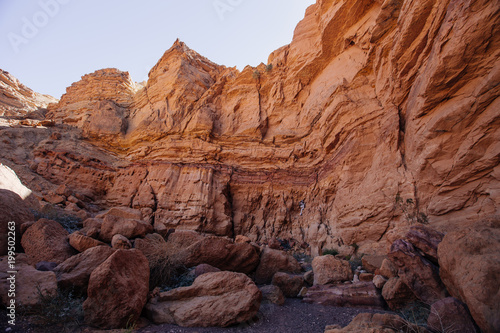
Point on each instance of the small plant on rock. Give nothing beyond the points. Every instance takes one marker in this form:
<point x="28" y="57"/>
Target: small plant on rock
<point x="269" y="68"/>
<point x="410" y="211"/>
<point x="256" y="75"/>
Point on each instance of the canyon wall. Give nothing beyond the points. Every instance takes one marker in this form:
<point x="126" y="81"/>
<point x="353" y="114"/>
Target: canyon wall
<point x="379" y="114"/>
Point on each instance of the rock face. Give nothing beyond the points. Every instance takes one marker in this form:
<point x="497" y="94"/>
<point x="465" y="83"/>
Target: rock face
<point x="214" y="299"/>
<point x="118" y="290"/>
<point x="372" y="101"/>
<point x="470" y="269"/>
<point x="47" y="240"/>
<point x="16" y="99"/>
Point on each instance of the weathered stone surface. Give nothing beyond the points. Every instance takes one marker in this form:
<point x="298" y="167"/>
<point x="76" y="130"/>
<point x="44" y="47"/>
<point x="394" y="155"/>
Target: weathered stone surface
<point x="45" y="266"/>
<point x="272" y="294"/>
<point x="397" y="294"/>
<point x="120" y="242"/>
<point x="129" y="228"/>
<point x="309" y="277"/>
<point x="426" y="240"/>
<point x="470" y="268"/>
<point x="273" y="261"/>
<point x="376" y="323"/>
<point x="218" y="252"/>
<point x="372" y="263"/>
<point x="28" y="282"/>
<point x="81" y="242"/>
<point x="290" y="284"/>
<point x="205" y="268"/>
<point x="47" y="240"/>
<point x="387" y="269"/>
<point x="361" y="294"/>
<point x="17" y="99"/>
<point x="74" y="273"/>
<point x="450" y="315"/>
<point x="118" y="290"/>
<point x="419" y="274"/>
<point x="214" y="299"/>
<point x="328" y="269"/>
<point x="379" y="281"/>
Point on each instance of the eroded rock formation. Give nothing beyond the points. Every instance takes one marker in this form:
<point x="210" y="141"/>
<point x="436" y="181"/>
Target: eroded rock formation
<point x="378" y="114"/>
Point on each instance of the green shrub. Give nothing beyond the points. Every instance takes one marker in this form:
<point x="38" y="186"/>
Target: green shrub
<point x="269" y="67"/>
<point x="333" y="252"/>
<point x="256" y="75"/>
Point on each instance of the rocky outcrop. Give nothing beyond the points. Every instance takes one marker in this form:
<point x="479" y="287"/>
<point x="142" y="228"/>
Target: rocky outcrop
<point x="214" y="299"/>
<point x="470" y="269"/>
<point x="118" y="290"/>
<point x="16" y="99"/>
<point x="317" y="146"/>
<point x="13" y="213"/>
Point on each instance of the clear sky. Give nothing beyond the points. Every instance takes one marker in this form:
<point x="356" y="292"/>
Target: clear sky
<point x="49" y="44"/>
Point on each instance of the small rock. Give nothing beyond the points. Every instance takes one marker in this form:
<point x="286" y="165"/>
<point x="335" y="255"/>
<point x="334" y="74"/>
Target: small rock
<point x="205" y="268"/>
<point x="289" y="284"/>
<point x="81" y="243"/>
<point x="274" y="244"/>
<point x="387" y="269"/>
<point x="309" y="277"/>
<point x="366" y="277"/>
<point x="303" y="292"/>
<point x="45" y="266"/>
<point x="242" y="239"/>
<point x="120" y="242"/>
<point x="272" y="294"/>
<point x="379" y="281"/>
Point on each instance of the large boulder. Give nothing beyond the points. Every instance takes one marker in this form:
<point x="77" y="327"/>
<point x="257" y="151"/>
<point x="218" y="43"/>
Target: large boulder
<point x="215" y="299"/>
<point x="328" y="269"/>
<point x="450" y="315"/>
<point x="81" y="242"/>
<point x="470" y="268"/>
<point x="219" y="252"/>
<point x="426" y="240"/>
<point x="29" y="282"/>
<point x="290" y="284"/>
<point x="47" y="240"/>
<point x="130" y="228"/>
<point x="74" y="273"/>
<point x="118" y="290"/>
<point x="273" y="261"/>
<point x="361" y="294"/>
<point x="12" y="209"/>
<point x="372" y="263"/>
<point x="418" y="273"/>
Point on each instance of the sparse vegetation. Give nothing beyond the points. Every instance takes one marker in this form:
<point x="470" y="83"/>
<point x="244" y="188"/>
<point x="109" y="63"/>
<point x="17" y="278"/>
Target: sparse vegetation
<point x="69" y="222"/>
<point x="269" y="67"/>
<point x="333" y="252"/>
<point x="416" y="313"/>
<point x="256" y="75"/>
<point x="410" y="211"/>
<point x="355" y="261"/>
<point x="61" y="308"/>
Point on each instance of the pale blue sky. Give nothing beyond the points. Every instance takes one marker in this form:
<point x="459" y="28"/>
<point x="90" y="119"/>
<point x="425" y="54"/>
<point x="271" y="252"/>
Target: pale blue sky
<point x="49" y="44"/>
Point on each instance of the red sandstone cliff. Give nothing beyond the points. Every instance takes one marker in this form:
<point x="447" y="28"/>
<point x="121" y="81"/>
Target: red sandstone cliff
<point x="371" y="102"/>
